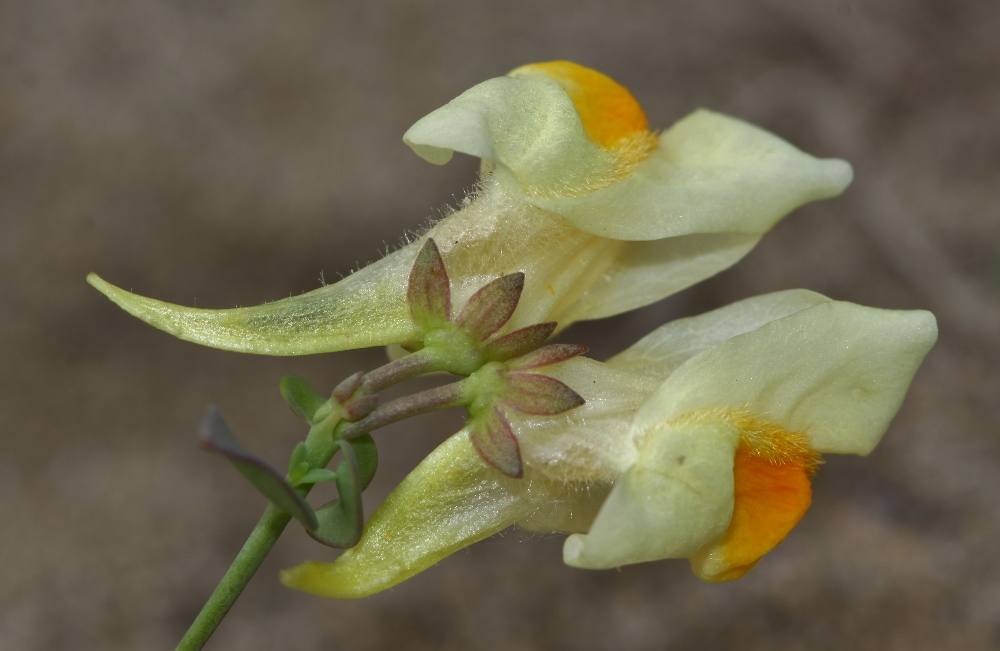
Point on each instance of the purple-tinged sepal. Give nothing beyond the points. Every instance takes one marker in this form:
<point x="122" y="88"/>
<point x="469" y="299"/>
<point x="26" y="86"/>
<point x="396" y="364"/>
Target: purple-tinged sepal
<point x="494" y="440"/>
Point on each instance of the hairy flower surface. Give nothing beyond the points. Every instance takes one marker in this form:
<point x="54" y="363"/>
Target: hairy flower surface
<point x="697" y="442"/>
<point x="600" y="214"/>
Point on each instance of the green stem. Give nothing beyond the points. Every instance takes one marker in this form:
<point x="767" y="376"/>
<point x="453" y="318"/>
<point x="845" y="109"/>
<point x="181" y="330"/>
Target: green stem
<point x="244" y="566"/>
<point x="320" y="449"/>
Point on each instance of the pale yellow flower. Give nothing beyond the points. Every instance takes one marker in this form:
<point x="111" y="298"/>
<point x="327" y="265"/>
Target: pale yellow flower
<point x="601" y="214"/>
<point x="697" y="442"/>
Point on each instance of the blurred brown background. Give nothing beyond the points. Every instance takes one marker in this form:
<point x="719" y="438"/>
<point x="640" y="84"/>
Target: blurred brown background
<point x="226" y="153"/>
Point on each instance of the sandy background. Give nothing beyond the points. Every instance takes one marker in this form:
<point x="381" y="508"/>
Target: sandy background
<point x="226" y="153"/>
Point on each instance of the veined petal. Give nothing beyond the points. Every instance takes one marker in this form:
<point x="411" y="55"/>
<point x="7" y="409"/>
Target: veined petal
<point x="660" y="352"/>
<point x="588" y="444"/>
<point x="677" y="497"/>
<point x="710" y="174"/>
<point x="635" y="274"/>
<point x="836" y="371"/>
<point x="451" y="500"/>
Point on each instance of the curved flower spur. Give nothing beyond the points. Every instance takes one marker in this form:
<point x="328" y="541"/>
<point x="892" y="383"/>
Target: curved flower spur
<point x="600" y="214"/>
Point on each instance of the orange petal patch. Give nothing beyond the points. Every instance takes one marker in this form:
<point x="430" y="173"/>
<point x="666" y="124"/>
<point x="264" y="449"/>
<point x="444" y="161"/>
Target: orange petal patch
<point x="772" y="472"/>
<point x="610" y="115"/>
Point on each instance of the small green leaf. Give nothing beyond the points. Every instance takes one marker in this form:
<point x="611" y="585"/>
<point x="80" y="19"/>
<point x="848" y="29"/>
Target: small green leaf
<point x="316" y="476"/>
<point x="302" y="399"/>
<point x="367" y="454"/>
<point x="298" y="457"/>
<point x="216" y="437"/>
<point x="297" y="472"/>
<point x="342" y="520"/>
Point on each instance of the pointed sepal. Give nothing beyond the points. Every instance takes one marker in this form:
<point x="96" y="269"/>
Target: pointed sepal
<point x="343" y="391"/>
<point x="428" y="292"/>
<point x="216" y="437"/>
<point x="491" y="307"/>
<point x="494" y="440"/>
<point x="551" y="354"/>
<point x="520" y="342"/>
<point x="539" y="395"/>
<point x="359" y="407"/>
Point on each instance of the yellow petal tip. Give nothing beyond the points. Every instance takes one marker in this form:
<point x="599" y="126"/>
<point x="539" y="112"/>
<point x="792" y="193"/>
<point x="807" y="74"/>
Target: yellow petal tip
<point x="608" y="111"/>
<point x="611" y="116"/>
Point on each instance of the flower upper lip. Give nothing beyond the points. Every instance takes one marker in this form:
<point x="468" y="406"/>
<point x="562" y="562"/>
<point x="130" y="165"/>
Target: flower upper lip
<point x="707" y="173"/>
<point x="593" y="240"/>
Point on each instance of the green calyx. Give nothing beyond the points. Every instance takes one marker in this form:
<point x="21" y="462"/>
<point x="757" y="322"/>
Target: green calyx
<point x="454" y="350"/>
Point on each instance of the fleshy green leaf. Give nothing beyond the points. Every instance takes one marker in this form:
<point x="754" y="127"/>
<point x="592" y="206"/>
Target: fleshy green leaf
<point x="298" y="456"/>
<point x="341" y="521"/>
<point x="367" y="456"/>
<point x="216" y="437"/>
<point x="317" y="476"/>
<point x="301" y="398"/>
